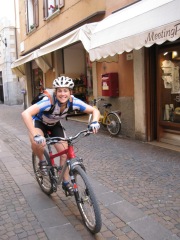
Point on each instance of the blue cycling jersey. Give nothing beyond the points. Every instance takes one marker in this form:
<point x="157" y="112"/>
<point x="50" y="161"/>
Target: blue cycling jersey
<point x="51" y="119"/>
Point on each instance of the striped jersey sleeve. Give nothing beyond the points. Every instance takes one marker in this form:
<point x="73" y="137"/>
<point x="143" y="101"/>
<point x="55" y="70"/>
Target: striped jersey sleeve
<point x="44" y="104"/>
<point x="79" y="104"/>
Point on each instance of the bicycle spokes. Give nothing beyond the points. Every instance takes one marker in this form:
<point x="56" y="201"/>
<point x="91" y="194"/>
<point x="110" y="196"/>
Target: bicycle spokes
<point x="86" y="201"/>
<point x="113" y="123"/>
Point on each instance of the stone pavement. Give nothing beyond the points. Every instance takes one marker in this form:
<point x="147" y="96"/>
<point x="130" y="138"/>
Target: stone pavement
<point x="137" y="186"/>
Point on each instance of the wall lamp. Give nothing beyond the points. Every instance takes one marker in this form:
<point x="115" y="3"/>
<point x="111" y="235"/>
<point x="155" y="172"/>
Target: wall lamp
<point x="3" y="40"/>
<point x="165" y="53"/>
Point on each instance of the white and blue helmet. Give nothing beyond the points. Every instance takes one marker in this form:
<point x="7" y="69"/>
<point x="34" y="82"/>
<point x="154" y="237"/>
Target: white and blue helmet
<point x="63" y="82"/>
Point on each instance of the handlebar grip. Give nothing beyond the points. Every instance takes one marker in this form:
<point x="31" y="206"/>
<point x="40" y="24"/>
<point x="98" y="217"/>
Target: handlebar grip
<point x="90" y="129"/>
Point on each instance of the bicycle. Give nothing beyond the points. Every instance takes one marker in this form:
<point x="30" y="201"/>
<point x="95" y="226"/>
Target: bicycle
<point x="83" y="192"/>
<point x="109" y="119"/>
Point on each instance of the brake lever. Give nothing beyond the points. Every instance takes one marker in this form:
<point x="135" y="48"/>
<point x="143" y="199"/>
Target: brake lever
<point x="89" y="131"/>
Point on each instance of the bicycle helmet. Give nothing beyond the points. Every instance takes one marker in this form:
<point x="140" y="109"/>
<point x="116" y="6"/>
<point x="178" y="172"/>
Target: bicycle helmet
<point x="63" y="82"/>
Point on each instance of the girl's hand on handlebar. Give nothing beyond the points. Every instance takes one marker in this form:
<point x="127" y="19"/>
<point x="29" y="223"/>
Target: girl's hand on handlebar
<point x="40" y="140"/>
<point x="94" y="126"/>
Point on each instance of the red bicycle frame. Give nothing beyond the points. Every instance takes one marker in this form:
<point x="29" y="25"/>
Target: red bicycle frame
<point x="69" y="151"/>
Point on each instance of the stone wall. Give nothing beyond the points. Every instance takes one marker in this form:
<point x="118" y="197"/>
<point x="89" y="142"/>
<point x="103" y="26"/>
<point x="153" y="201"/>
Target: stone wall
<point x="126" y="106"/>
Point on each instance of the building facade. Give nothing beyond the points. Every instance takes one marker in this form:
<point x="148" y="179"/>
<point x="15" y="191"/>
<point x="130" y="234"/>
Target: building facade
<point x="153" y="44"/>
<point x="10" y="84"/>
<point x="55" y="39"/>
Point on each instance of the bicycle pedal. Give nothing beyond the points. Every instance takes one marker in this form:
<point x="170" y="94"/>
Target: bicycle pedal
<point x="54" y="188"/>
<point x="68" y="190"/>
<point x="67" y="194"/>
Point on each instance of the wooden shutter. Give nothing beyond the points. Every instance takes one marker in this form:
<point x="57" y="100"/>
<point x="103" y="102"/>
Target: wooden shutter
<point x="61" y="3"/>
<point x="45" y="8"/>
<point x="36" y="13"/>
<point x="26" y="16"/>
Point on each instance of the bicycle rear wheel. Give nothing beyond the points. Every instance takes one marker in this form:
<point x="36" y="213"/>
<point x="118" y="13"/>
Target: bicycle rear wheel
<point x="44" y="181"/>
<point x="86" y="201"/>
<point x="113" y="123"/>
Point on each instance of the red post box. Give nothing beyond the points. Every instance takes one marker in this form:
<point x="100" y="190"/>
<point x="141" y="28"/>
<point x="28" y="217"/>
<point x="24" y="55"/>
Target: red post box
<point x="110" y="85"/>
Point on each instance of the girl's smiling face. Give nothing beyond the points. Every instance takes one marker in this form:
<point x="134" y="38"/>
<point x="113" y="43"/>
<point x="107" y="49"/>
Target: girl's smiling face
<point x="63" y="94"/>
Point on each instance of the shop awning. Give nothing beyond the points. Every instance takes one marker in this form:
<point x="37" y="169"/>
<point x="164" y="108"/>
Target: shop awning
<point x="18" y="65"/>
<point x="82" y="34"/>
<point x="140" y="25"/>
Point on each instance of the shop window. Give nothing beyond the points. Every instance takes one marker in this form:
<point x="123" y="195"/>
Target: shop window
<point x="32" y="15"/>
<point x="170" y="86"/>
<point x="52" y="6"/>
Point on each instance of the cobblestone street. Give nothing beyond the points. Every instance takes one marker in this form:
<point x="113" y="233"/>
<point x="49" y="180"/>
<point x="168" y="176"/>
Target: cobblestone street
<point x="137" y="186"/>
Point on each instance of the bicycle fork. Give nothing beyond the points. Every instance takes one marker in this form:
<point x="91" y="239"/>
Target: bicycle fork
<point x="73" y="180"/>
<point x="70" y="164"/>
<point x="74" y="161"/>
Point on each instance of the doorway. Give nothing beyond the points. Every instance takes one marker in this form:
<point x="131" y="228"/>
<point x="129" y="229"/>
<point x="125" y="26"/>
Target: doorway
<point x="151" y="93"/>
<point x="1" y="89"/>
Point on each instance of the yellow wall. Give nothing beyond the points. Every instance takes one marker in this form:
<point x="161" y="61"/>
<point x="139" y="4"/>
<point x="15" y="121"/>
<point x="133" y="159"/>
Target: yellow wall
<point x="124" y="68"/>
<point x="49" y="77"/>
<point x="72" y="13"/>
<point x="114" y="5"/>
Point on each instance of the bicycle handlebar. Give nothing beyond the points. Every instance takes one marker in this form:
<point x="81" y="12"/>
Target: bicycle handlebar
<point x="51" y="140"/>
<point x="97" y="100"/>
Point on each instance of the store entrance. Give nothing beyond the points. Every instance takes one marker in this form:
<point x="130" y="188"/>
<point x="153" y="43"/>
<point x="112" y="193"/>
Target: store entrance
<point x="78" y="66"/>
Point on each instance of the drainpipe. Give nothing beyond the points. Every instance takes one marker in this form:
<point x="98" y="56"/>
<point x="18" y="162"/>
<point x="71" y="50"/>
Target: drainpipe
<point x="15" y="30"/>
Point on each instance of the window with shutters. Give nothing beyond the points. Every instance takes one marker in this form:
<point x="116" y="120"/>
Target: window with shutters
<point x="32" y="15"/>
<point x="52" y="6"/>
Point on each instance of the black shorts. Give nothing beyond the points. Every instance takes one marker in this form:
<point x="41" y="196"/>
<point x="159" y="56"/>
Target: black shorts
<point x="54" y="131"/>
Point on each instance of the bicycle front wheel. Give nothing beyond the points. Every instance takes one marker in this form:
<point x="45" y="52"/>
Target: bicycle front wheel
<point x="44" y="181"/>
<point x="113" y="123"/>
<point x="86" y="201"/>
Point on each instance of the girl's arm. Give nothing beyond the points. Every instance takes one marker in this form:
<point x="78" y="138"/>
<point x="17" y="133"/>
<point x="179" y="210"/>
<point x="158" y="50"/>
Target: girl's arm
<point x="27" y="118"/>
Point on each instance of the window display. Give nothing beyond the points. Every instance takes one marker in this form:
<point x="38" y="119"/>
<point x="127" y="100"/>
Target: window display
<point x="79" y="90"/>
<point x="170" y="76"/>
<point x="170" y="85"/>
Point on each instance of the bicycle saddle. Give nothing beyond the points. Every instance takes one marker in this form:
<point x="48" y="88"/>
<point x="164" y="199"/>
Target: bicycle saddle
<point x="106" y="105"/>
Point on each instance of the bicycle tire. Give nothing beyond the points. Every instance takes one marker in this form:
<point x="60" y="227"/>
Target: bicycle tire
<point x="44" y="182"/>
<point x="113" y="123"/>
<point x="86" y="201"/>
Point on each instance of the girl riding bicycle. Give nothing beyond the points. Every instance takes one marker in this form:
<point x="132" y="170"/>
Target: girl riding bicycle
<point x="39" y="120"/>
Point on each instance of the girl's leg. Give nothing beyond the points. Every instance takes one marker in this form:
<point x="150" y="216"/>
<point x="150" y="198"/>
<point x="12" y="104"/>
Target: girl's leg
<point x="37" y="149"/>
<point x="67" y="186"/>
<point x="60" y="147"/>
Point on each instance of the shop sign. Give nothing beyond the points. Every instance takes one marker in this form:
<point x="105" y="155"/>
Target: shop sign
<point x="177" y="99"/>
<point x="23" y="91"/>
<point x="170" y="33"/>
